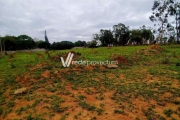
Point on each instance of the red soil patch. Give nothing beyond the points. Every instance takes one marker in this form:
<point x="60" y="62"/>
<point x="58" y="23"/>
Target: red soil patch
<point x="46" y="74"/>
<point x="38" y="66"/>
<point x="89" y="68"/>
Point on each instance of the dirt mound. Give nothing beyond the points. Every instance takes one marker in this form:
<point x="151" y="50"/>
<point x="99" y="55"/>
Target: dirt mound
<point x="156" y="47"/>
<point x="119" y="58"/>
<point x="152" y="50"/>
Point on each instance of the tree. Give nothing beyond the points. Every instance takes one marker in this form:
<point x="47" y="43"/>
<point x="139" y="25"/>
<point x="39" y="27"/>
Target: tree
<point x="62" y="45"/>
<point x="25" y="42"/>
<point x="146" y="34"/>
<point x="160" y="15"/>
<point x="10" y="42"/>
<point x="121" y="34"/>
<point x="92" y="44"/>
<point x="174" y="10"/>
<point x="136" y="36"/>
<point x="105" y="37"/>
<point x="42" y="44"/>
<point x="171" y="39"/>
<point x="80" y="43"/>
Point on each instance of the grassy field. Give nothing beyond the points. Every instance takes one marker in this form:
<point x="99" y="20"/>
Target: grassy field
<point x="145" y="86"/>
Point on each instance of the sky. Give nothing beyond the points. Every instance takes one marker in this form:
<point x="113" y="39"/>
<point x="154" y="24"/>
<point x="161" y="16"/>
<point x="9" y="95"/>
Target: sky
<point x="70" y="20"/>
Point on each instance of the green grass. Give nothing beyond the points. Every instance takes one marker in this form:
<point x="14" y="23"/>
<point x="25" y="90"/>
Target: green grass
<point x="146" y="77"/>
<point x="13" y="65"/>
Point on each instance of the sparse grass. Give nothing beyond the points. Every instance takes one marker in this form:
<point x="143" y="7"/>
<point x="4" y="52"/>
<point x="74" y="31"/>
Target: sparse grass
<point x="10" y="104"/>
<point x="99" y="111"/>
<point x="64" y="116"/>
<point x="87" y="106"/>
<point x="55" y="104"/>
<point x="118" y="111"/>
<point x="149" y="81"/>
<point x="168" y="112"/>
<point x="20" y="110"/>
<point x="81" y="97"/>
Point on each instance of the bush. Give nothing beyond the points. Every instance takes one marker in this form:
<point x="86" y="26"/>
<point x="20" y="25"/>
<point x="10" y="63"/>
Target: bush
<point x="62" y="45"/>
<point x="92" y="44"/>
<point x="43" y="44"/>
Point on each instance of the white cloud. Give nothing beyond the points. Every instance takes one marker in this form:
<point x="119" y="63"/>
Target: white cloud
<point x="69" y="19"/>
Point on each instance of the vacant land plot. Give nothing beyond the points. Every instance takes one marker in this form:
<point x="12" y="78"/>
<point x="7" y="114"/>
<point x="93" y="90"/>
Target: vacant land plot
<point x="146" y="85"/>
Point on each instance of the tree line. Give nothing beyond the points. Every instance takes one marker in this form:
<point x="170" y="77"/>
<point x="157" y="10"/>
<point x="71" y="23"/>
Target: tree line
<point x="122" y="35"/>
<point x="165" y="13"/>
<point x="21" y="42"/>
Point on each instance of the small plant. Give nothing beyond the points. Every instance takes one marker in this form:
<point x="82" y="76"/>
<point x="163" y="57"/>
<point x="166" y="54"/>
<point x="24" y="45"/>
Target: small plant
<point x="81" y="97"/>
<point x="77" y="115"/>
<point x="118" y="111"/>
<point x="176" y="102"/>
<point x="93" y="118"/>
<point x="12" y="65"/>
<point x="36" y="102"/>
<point x="87" y="106"/>
<point x="11" y="104"/>
<point x="55" y="105"/>
<point x="99" y="111"/>
<point x="20" y="110"/>
<point x="29" y="117"/>
<point x="166" y="60"/>
<point x="162" y="118"/>
<point x="64" y="116"/>
<point x="168" y="112"/>
<point x="2" y="100"/>
<point x="101" y="105"/>
<point x="28" y="97"/>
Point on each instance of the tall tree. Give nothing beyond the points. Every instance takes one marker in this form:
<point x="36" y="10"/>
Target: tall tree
<point x="105" y="37"/>
<point x="146" y="34"/>
<point x="174" y="10"/>
<point x="160" y="15"/>
<point x="10" y="42"/>
<point x="92" y="44"/>
<point x="121" y="34"/>
<point x="25" y="42"/>
<point x="136" y="36"/>
<point x="80" y="43"/>
<point x="62" y="45"/>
